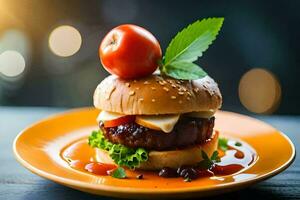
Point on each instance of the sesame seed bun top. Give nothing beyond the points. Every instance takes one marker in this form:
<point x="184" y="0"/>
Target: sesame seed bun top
<point x="156" y="94"/>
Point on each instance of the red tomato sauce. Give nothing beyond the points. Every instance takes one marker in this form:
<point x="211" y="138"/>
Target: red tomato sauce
<point x="80" y="156"/>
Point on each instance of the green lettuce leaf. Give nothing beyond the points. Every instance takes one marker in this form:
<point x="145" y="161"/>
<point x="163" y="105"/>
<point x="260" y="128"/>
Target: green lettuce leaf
<point x="121" y="155"/>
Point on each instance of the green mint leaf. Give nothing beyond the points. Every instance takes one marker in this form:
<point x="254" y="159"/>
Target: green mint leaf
<point x="190" y="43"/>
<point x="184" y="71"/>
<point x="119" y="173"/>
<point x="238" y="144"/>
<point x="204" y="155"/>
<point x="214" y="156"/>
<point x="207" y="162"/>
<point x="223" y="144"/>
<point x="121" y="155"/>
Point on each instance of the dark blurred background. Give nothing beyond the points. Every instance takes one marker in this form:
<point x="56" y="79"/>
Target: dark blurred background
<point x="49" y="49"/>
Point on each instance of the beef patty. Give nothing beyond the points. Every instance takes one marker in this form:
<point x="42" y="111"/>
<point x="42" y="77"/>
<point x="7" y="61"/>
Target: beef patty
<point x="187" y="131"/>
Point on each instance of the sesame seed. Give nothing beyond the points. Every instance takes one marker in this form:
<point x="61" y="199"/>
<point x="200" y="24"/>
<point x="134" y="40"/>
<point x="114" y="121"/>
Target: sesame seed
<point x="107" y="97"/>
<point x="177" y="81"/>
<point x="188" y="98"/>
<point x="173" y="97"/>
<point x="134" y="81"/>
<point x="162" y="82"/>
<point x="180" y="93"/>
<point x="173" y="85"/>
<point x="210" y="93"/>
<point x="166" y="89"/>
<point x="153" y="100"/>
<point x="137" y="88"/>
<point x="189" y="94"/>
<point x="153" y="88"/>
<point x="141" y="99"/>
<point x="146" y="82"/>
<point x="157" y="78"/>
<point x="128" y="84"/>
<point x="180" y="102"/>
<point x="131" y="93"/>
<point x="196" y="90"/>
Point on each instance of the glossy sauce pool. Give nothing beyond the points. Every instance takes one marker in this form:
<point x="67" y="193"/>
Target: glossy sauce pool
<point x="235" y="159"/>
<point x="80" y="156"/>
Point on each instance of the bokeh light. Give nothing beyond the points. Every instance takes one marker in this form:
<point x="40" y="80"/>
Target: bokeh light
<point x="17" y="40"/>
<point x="12" y="63"/>
<point x="260" y="91"/>
<point x="65" y="41"/>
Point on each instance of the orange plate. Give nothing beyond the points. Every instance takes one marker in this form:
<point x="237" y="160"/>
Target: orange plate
<point x="38" y="148"/>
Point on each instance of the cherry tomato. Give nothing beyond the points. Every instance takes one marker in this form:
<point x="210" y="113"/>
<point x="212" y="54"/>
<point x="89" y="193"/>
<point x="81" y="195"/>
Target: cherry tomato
<point x="119" y="121"/>
<point x="130" y="51"/>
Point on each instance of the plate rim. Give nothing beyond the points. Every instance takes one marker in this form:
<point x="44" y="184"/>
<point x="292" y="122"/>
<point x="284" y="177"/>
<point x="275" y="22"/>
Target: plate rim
<point x="128" y="190"/>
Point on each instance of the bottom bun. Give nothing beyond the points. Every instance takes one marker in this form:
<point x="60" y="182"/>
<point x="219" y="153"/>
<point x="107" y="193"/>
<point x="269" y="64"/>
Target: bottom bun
<point x="173" y="159"/>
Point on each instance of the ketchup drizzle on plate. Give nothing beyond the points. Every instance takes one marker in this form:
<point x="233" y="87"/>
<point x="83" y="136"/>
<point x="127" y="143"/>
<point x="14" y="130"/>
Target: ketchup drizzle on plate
<point x="80" y="156"/>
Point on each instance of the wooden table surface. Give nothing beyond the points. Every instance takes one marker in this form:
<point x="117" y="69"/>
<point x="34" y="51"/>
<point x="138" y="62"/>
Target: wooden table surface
<point x="18" y="183"/>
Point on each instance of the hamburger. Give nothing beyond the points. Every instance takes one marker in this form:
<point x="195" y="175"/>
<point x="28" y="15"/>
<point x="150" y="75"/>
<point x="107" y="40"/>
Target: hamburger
<point x="155" y="122"/>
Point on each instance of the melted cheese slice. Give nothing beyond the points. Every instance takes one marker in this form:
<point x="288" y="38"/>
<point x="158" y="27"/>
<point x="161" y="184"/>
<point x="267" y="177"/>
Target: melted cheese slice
<point x="108" y="116"/>
<point x="164" y="123"/>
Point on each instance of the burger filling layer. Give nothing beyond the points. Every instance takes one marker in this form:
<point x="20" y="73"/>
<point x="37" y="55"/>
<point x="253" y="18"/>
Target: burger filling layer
<point x="187" y="131"/>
